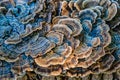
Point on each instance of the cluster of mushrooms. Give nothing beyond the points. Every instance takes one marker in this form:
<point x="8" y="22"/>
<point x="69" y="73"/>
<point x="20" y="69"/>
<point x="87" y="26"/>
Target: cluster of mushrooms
<point x="73" y="38"/>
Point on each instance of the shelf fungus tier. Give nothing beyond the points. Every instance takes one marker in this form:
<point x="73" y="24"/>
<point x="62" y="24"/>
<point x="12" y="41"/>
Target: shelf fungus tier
<point x="59" y="39"/>
<point x="55" y="57"/>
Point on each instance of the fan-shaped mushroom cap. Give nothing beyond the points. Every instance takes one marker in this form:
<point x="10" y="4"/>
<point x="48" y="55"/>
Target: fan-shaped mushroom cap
<point x="82" y="72"/>
<point x="64" y="12"/>
<point x="90" y="3"/>
<point x="78" y="4"/>
<point x="83" y="51"/>
<point x="104" y="2"/>
<point x="62" y="29"/>
<point x="39" y="47"/>
<point x="70" y="62"/>
<point x="106" y="62"/>
<point x="54" y="58"/>
<point x="74" y="43"/>
<point x="98" y="10"/>
<point x="87" y="26"/>
<point x="103" y="64"/>
<point x="73" y="38"/>
<point x="73" y="24"/>
<point x="96" y="54"/>
<point x="29" y="30"/>
<point x="55" y="37"/>
<point x="112" y="10"/>
<point x="87" y="14"/>
<point x="14" y="39"/>
<point x="49" y="71"/>
<point x="71" y="5"/>
<point x="106" y="38"/>
<point x="116" y="20"/>
<point x="91" y="41"/>
<point x="114" y="67"/>
<point x="116" y="64"/>
<point x="57" y="18"/>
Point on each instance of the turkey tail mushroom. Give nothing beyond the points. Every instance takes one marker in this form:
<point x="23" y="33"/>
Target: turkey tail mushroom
<point x="58" y="56"/>
<point x="73" y="24"/>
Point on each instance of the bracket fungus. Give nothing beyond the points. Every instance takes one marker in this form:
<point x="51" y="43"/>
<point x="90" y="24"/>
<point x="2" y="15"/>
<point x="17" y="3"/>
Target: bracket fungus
<point x="59" y="38"/>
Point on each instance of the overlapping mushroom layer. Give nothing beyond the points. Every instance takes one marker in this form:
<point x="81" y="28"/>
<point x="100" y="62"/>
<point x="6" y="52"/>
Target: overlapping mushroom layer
<point x="78" y="41"/>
